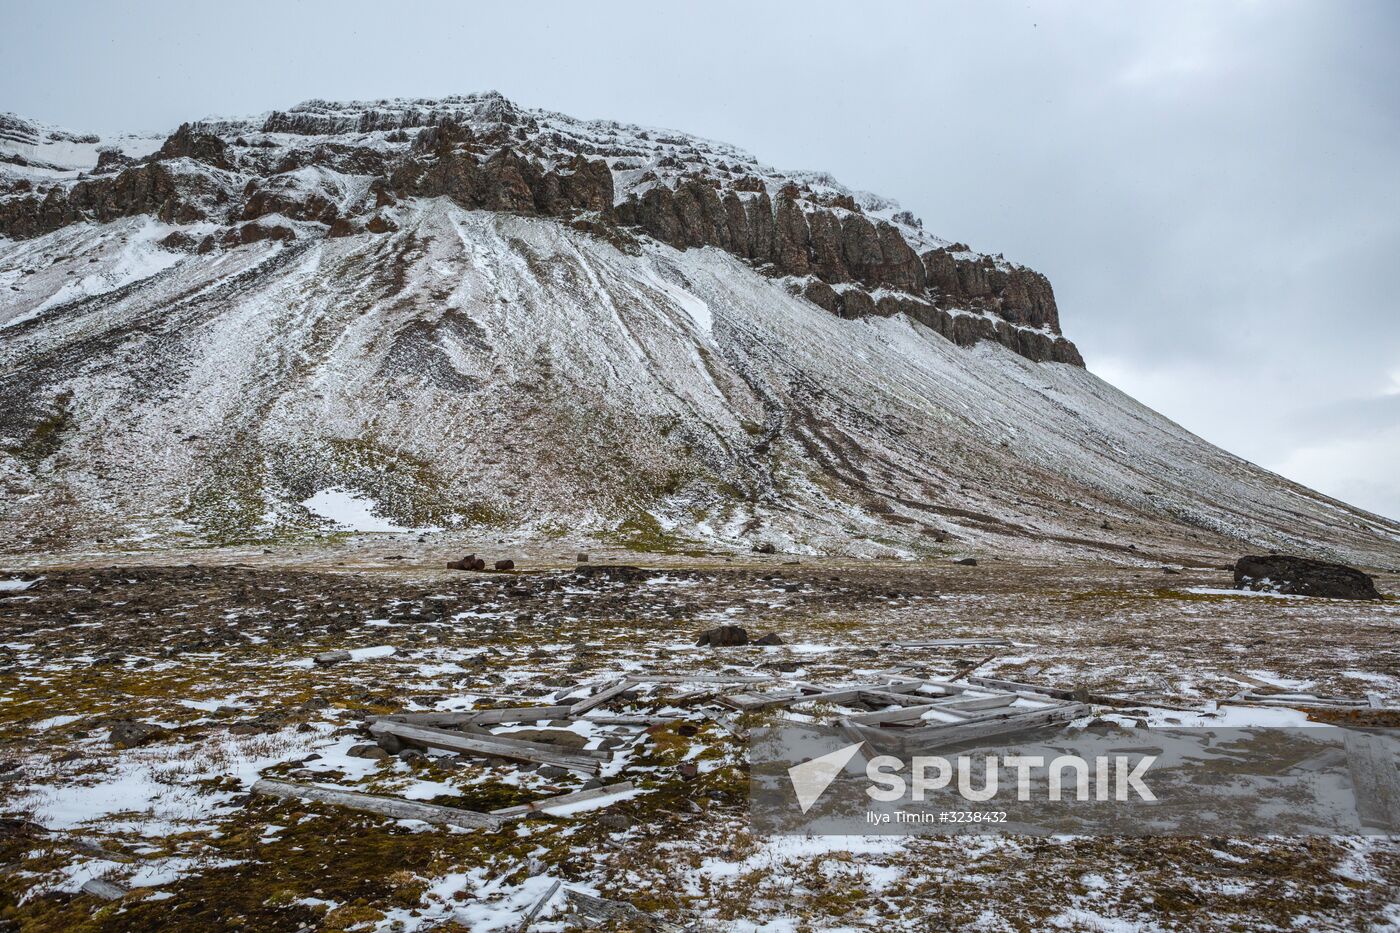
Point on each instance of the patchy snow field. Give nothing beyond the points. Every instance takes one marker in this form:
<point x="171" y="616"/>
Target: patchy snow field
<point x="216" y="656"/>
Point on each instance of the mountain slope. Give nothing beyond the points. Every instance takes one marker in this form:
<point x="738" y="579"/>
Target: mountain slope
<point x="538" y="342"/>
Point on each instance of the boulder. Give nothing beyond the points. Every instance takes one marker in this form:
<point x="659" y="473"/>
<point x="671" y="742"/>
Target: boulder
<point x="1303" y="576"/>
<point x="724" y="636"/>
<point x="769" y="640"/>
<point x="130" y="733"/>
<point x="505" y="565"/>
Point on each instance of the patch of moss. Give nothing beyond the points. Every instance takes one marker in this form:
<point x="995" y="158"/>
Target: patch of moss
<point x="643" y="533"/>
<point x="46" y="438"/>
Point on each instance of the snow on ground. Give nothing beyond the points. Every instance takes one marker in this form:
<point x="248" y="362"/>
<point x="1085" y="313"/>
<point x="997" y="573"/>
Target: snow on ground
<point x="349" y="511"/>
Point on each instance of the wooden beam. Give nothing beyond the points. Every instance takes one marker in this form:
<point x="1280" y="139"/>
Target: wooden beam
<point x="700" y="678"/>
<point x="484" y="717"/>
<point x="491" y="746"/>
<point x="949" y="733"/>
<point x="602" y="910"/>
<point x="563" y="800"/>
<point x="951" y="705"/>
<point x="384" y="806"/>
<point x="104" y="889"/>
<point x="953" y="643"/>
<point x="533" y="912"/>
<point x="751" y="701"/>
<point x="601" y="697"/>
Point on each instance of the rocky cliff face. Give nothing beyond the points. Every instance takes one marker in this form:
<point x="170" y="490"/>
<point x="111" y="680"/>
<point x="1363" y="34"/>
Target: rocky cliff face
<point x="466" y="316"/>
<point x="343" y="169"/>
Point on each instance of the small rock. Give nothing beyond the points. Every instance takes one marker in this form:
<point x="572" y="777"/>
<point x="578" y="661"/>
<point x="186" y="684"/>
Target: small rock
<point x="130" y="733"/>
<point x="331" y="657"/>
<point x="688" y="770"/>
<point x="505" y="565"/>
<point x="552" y="772"/>
<point x="373" y="752"/>
<point x="967" y="562"/>
<point x="581" y="557"/>
<point x="391" y="744"/>
<point x="724" y="636"/>
<point x="1171" y="570"/>
<point x="765" y="547"/>
<point x="615" y="822"/>
<point x="769" y="640"/>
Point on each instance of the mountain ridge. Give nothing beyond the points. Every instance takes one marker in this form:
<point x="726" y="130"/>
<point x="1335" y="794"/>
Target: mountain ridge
<point x="472" y="325"/>
<point x="853" y="253"/>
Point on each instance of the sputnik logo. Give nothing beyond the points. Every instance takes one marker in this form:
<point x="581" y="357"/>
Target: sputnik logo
<point x="811" y="778"/>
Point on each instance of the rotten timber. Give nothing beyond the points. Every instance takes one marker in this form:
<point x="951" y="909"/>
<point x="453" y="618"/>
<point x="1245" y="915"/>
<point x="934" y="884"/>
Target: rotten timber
<point x="490" y="746"/>
<point x="384" y="806"/>
<point x="563" y="800"/>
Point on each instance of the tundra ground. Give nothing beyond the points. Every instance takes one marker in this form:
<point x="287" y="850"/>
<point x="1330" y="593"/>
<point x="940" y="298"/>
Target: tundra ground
<point x="217" y="656"/>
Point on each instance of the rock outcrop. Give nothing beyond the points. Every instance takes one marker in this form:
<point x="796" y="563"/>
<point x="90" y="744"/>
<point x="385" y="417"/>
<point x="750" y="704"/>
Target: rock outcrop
<point x="504" y="180"/>
<point x="145" y="189"/>
<point x="1302" y="576"/>
<point x="851" y="254"/>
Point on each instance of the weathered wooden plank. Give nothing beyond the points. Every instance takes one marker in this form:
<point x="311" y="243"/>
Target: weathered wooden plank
<point x="533" y="912"/>
<point x="951" y="705"/>
<point x="495" y="745"/>
<point x="104" y="889"/>
<point x="750" y="701"/>
<point x="563" y="800"/>
<point x="1300" y="699"/>
<point x="1060" y="693"/>
<point x="384" y="806"/>
<point x="953" y="643"/>
<point x="601" y="697"/>
<point x="480" y="717"/>
<point x="994" y="725"/>
<point x="728" y="724"/>
<point x="601" y="909"/>
<point x="520" y="714"/>
<point x="701" y="678"/>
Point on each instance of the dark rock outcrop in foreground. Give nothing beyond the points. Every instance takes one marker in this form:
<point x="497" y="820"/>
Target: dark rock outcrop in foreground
<point x="1302" y="576"/>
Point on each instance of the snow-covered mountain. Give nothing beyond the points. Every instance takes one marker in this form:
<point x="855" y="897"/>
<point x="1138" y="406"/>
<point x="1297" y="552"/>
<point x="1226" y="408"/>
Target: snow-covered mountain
<point x="465" y="314"/>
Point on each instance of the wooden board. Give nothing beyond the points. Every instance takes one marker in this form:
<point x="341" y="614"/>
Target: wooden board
<point x="384" y="806"/>
<point x="104" y="889"/>
<point x="563" y="800"/>
<point x="751" y="701"/>
<point x="601" y="697"/>
<point x="491" y="746"/>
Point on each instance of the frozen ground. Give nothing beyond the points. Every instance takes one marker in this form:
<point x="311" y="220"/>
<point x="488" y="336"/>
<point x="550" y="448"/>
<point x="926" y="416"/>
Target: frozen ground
<point x="217" y="653"/>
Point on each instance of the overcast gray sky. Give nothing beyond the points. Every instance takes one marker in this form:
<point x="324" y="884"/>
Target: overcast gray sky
<point x="1213" y="188"/>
